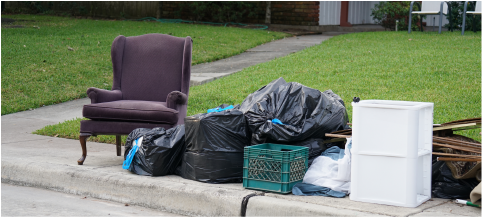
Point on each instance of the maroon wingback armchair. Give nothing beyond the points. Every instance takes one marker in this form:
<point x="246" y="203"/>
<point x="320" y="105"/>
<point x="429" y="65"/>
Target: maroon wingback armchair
<point x="150" y="88"/>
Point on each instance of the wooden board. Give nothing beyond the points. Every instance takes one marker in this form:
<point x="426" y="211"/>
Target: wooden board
<point x="337" y="135"/>
<point x="469" y="120"/>
<point x="456" y="127"/>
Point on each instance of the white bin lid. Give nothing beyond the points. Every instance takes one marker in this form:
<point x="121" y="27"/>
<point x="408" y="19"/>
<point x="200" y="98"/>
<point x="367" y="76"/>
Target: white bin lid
<point x="392" y="104"/>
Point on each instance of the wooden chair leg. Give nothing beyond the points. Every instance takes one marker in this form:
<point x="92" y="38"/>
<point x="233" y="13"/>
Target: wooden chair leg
<point x="118" y="144"/>
<point x="83" y="141"/>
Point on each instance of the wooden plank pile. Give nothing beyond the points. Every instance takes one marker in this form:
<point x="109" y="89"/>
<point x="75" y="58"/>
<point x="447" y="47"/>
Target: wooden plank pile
<point x="444" y="138"/>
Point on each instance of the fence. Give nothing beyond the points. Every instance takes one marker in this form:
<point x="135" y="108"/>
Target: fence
<point x="288" y="13"/>
<point x="106" y="9"/>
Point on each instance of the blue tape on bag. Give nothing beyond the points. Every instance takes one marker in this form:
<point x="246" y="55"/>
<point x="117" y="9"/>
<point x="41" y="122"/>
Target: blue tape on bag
<point x="277" y="121"/>
<point x="132" y="152"/>
<point x="218" y="109"/>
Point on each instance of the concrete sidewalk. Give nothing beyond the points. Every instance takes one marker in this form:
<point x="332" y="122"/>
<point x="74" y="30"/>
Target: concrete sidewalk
<point x="207" y="72"/>
<point x="51" y="163"/>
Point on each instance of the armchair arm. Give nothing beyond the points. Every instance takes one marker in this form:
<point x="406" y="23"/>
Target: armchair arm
<point x="97" y="95"/>
<point x="175" y="99"/>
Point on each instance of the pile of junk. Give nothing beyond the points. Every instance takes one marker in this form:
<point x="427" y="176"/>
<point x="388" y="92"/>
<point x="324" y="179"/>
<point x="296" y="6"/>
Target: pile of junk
<point x="289" y="138"/>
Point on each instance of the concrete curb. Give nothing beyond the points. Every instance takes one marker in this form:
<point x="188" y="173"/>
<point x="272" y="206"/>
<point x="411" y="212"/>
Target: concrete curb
<point x="269" y="206"/>
<point x="156" y="193"/>
<point x="193" y="198"/>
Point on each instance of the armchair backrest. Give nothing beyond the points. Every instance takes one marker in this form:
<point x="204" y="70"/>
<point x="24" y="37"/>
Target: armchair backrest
<point x="149" y="67"/>
<point x="433" y="6"/>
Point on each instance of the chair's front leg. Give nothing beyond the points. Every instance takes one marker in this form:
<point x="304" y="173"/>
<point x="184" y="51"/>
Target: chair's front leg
<point x="473" y="23"/>
<point x="410" y="18"/>
<point x="450" y="16"/>
<point x="440" y="22"/>
<point x="463" y="18"/>
<point x="83" y="141"/>
<point x="410" y="15"/>
<point x="118" y="144"/>
<point x="421" y="22"/>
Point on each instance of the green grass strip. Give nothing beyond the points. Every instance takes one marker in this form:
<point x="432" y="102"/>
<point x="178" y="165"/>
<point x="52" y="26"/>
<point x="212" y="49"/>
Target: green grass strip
<point x="427" y="67"/>
<point x="55" y="59"/>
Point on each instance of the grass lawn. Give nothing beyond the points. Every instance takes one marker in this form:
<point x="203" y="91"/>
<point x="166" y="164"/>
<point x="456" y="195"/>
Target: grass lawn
<point x="38" y="68"/>
<point x="427" y="67"/>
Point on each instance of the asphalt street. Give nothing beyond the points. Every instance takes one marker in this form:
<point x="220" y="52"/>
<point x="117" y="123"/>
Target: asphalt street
<point x="28" y="201"/>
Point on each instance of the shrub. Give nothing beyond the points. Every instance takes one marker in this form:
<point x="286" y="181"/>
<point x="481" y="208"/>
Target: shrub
<point x="386" y="14"/>
<point x="219" y="11"/>
<point x="73" y="8"/>
<point x="64" y="8"/>
<point x="38" y="7"/>
<point x="457" y="12"/>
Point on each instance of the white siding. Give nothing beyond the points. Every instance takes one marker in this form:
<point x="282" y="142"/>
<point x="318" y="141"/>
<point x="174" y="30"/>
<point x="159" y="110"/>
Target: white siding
<point x="430" y="22"/>
<point x="434" y="6"/>
<point x="330" y="12"/>
<point x="359" y="12"/>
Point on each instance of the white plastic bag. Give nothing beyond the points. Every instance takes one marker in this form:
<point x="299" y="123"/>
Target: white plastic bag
<point x="344" y="164"/>
<point x="333" y="174"/>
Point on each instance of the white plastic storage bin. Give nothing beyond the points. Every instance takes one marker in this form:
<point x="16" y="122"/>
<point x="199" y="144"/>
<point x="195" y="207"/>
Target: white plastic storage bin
<point x="394" y="181"/>
<point x="392" y="152"/>
<point x="392" y="128"/>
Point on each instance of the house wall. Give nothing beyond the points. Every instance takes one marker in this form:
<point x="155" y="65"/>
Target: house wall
<point x="434" y="6"/>
<point x="430" y="22"/>
<point x="329" y="13"/>
<point x="359" y="12"/>
<point x="303" y="13"/>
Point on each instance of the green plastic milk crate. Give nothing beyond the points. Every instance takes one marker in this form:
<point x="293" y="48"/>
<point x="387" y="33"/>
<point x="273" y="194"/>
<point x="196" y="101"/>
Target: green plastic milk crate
<point x="273" y="167"/>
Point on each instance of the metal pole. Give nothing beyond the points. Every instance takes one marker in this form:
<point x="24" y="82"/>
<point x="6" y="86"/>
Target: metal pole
<point x="410" y="17"/>
<point x="463" y="19"/>
<point x="421" y="19"/>
<point x="440" y="17"/>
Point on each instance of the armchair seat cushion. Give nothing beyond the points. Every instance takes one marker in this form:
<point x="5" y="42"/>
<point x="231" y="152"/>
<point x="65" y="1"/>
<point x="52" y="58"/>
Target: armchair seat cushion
<point x="131" y="110"/>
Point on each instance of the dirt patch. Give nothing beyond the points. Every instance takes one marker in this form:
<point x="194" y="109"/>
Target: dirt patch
<point x="293" y="31"/>
<point x="8" y="23"/>
<point x="14" y="26"/>
<point x="7" y="20"/>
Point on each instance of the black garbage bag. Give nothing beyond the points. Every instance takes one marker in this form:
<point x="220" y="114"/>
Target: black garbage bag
<point x="444" y="185"/>
<point x="160" y="153"/>
<point x="213" y="167"/>
<point x="334" y="96"/>
<point x="316" y="147"/>
<point x="304" y="112"/>
<point x="261" y="93"/>
<point x="338" y="98"/>
<point x="214" y="146"/>
<point x="224" y="131"/>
